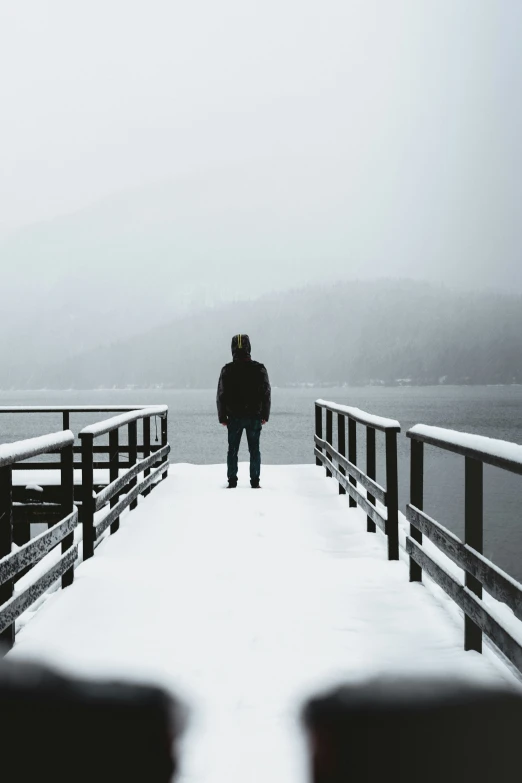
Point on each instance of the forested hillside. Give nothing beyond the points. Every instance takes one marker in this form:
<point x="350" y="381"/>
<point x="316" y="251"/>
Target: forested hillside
<point x="355" y="333"/>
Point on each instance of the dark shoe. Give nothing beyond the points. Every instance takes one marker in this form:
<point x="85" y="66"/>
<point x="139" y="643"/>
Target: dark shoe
<point x="232" y="483"/>
<point x="255" y="485"/>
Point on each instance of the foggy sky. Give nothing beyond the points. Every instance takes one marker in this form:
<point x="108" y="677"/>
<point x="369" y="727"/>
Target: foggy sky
<point x="375" y="137"/>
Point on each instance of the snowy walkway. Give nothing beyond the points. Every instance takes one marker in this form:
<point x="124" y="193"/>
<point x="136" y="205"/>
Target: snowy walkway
<point x="245" y="602"/>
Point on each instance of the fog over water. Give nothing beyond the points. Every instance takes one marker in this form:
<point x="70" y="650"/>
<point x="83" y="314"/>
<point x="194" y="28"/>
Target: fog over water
<point x="339" y="180"/>
<point x="380" y="137"/>
<point x="164" y="157"/>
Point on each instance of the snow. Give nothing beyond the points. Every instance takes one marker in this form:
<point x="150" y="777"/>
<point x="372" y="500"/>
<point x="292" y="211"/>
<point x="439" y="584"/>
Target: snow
<point x="369" y="419"/>
<point x="67" y="408"/>
<point x="102" y="427"/>
<point x="32" y="447"/>
<point x="245" y="603"/>
<point x="34" y="488"/>
<point x="491" y="447"/>
<point x="52" y="478"/>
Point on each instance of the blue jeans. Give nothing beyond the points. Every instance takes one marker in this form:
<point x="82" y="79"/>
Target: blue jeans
<point x="252" y="425"/>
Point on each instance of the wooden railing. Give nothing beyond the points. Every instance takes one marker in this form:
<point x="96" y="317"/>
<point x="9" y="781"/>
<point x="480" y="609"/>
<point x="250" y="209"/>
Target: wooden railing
<point x="35" y="504"/>
<point x="14" y="565"/>
<point x="344" y="467"/>
<point x="479" y="571"/>
<point x="120" y="488"/>
<point x="123" y="488"/>
<point x="66" y="411"/>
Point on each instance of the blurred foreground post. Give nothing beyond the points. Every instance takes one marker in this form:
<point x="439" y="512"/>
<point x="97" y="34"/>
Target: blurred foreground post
<point x="411" y="730"/>
<point x="72" y="730"/>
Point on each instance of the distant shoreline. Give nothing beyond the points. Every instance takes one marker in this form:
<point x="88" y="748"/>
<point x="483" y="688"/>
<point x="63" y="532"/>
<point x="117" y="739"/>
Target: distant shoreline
<point x="294" y="387"/>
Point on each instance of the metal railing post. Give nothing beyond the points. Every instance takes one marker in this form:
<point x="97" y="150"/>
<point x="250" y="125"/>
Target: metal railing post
<point x="416" y="499"/>
<point x="392" y="495"/>
<point x="370" y="472"/>
<point x="6" y="543"/>
<point x="87" y="494"/>
<point x="65" y="420"/>
<point x="67" y="486"/>
<point x="473" y="536"/>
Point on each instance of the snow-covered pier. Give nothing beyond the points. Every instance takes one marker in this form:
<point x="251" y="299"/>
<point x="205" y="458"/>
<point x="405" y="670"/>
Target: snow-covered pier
<point x="246" y="603"/>
<point x="106" y="489"/>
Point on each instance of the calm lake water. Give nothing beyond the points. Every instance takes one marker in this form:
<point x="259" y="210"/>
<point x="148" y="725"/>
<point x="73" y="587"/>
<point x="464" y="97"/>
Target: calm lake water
<point x="197" y="437"/>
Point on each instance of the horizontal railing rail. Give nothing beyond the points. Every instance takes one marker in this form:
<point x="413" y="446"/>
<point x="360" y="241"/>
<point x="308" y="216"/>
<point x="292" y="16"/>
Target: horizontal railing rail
<point x="17" y="564"/>
<point x="99" y="464"/>
<point x="116" y="486"/>
<point x="69" y="408"/>
<point x="490" y="451"/>
<point x="479" y="572"/>
<point x="356" y="414"/>
<point x="348" y="474"/>
<point x="130" y="497"/>
<point x="13" y="453"/>
<point x="109" y="425"/>
<point x="124" y="487"/>
<point x="66" y="411"/>
<point x="352" y="470"/>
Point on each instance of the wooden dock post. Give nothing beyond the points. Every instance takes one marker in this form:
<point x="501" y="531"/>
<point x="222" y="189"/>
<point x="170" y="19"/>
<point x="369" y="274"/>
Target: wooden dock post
<point x="416" y="499"/>
<point x="341" y="446"/>
<point x="473" y="537"/>
<point x="164" y="439"/>
<point x="88" y="502"/>
<point x="370" y="472"/>
<point x="352" y="454"/>
<point x="146" y="449"/>
<point x="114" y="471"/>
<point x="392" y="495"/>
<point x="6" y="543"/>
<point x="329" y="437"/>
<point x="133" y="456"/>
<point x="318" y="429"/>
<point x="67" y="485"/>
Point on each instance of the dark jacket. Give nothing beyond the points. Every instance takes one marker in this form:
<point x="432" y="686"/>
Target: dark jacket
<point x="243" y="388"/>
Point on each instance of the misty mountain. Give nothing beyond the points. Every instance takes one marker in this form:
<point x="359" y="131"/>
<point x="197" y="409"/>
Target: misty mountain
<point x="355" y="333"/>
<point x="142" y="257"/>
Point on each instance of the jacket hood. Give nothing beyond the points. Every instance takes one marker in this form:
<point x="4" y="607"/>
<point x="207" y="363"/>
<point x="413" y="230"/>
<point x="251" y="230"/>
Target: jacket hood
<point x="241" y="346"/>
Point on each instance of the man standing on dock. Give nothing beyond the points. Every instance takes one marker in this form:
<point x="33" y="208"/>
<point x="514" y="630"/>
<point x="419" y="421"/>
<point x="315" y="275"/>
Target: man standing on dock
<point x="243" y="403"/>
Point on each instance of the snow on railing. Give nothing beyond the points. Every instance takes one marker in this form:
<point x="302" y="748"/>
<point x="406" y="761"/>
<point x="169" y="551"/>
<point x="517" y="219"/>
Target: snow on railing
<point x="103" y="427"/>
<point x="67" y="411"/>
<point x="492" y="451"/>
<point x="11" y="453"/>
<point x="349" y="475"/>
<point x="468" y="555"/>
<point x="68" y="408"/>
<point x="377" y="422"/>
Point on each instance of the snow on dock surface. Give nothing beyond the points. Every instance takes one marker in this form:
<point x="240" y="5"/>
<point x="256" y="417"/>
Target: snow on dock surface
<point x="52" y="478"/>
<point x="244" y="602"/>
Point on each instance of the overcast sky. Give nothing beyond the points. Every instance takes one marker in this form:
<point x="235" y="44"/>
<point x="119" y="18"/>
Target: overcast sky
<point x="388" y="132"/>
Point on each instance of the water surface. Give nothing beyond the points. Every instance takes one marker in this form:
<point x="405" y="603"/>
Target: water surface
<point x="196" y="436"/>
